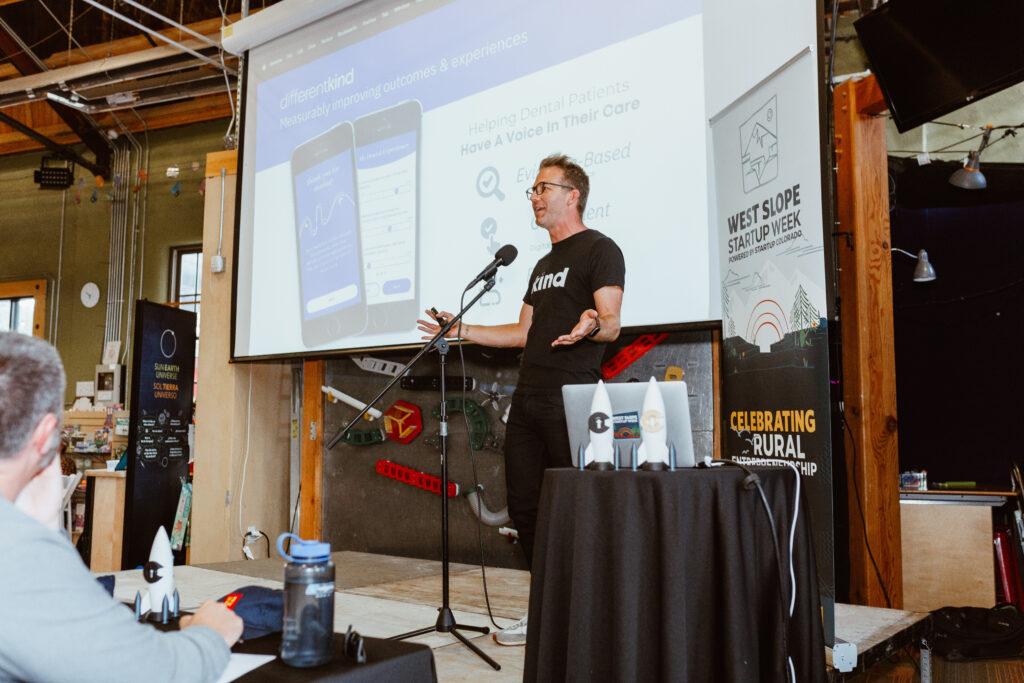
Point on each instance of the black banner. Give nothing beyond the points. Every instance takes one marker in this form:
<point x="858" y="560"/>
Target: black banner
<point x="163" y="367"/>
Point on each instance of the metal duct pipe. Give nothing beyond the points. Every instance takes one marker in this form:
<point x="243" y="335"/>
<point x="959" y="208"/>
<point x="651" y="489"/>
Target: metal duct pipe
<point x="118" y="229"/>
<point x="141" y="200"/>
<point x="112" y="258"/>
<point x="55" y="316"/>
<point x="110" y="266"/>
<point x="125" y="193"/>
<point x="159" y="36"/>
<point x="134" y="225"/>
<point x="122" y="216"/>
<point x="476" y="504"/>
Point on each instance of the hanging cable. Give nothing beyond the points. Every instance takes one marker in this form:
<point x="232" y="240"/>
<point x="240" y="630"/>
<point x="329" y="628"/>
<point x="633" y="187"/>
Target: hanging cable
<point x="476" y="480"/>
<point x="62" y="29"/>
<point x="754" y="481"/>
<point x="245" y="460"/>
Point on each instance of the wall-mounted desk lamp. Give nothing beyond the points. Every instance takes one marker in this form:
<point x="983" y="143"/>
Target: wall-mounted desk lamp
<point x="923" y="271"/>
<point x="970" y="176"/>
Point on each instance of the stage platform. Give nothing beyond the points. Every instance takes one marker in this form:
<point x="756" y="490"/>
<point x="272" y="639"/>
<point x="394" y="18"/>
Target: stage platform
<point x="381" y="595"/>
<point x="878" y="633"/>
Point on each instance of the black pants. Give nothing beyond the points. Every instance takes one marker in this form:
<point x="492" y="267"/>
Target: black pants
<point x="535" y="439"/>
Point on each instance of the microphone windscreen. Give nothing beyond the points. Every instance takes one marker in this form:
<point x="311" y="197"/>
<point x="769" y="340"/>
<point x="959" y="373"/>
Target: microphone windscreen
<point x="507" y="254"/>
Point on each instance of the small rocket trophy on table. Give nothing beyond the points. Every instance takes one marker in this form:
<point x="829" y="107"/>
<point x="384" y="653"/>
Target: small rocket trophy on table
<point x="600" y="454"/>
<point x="655" y="453"/>
<point x="162" y="603"/>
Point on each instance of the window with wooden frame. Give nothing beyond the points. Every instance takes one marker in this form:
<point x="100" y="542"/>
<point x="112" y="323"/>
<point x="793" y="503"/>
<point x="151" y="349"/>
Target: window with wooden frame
<point x="186" y="276"/>
<point x="23" y="307"/>
<point x="185" y="288"/>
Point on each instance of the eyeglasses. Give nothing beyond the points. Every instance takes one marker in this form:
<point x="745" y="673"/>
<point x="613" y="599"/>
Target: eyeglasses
<point x="354" y="647"/>
<point x="541" y="187"/>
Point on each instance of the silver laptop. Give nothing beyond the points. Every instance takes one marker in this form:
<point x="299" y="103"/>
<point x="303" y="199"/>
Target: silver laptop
<point x="627" y="404"/>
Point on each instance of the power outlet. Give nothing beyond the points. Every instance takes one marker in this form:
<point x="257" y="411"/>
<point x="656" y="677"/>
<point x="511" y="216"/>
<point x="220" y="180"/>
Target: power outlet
<point x="251" y="537"/>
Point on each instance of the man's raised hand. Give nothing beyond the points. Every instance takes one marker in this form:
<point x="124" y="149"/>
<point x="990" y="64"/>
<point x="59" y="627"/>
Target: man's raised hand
<point x="589" y="321"/>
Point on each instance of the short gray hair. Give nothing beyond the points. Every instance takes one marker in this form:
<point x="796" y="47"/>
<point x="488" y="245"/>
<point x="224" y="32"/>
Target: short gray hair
<point x="573" y="174"/>
<point x="31" y="385"/>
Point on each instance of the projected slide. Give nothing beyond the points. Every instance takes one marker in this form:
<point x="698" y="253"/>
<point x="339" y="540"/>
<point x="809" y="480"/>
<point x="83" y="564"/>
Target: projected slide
<point x="386" y="151"/>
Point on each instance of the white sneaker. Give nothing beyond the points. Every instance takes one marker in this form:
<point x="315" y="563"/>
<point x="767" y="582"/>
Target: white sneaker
<point x="514" y="635"/>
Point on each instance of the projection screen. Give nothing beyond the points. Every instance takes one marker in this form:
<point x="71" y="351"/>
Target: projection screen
<point x="386" y="150"/>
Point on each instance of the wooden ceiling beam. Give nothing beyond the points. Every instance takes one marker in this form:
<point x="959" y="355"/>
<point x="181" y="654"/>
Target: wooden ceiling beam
<point x="41" y="117"/>
<point x="117" y="47"/>
<point x="25" y="63"/>
<point x="197" y="110"/>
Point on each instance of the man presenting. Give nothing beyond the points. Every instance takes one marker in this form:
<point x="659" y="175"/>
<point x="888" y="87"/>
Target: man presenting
<point x="56" y="622"/>
<point x="577" y="287"/>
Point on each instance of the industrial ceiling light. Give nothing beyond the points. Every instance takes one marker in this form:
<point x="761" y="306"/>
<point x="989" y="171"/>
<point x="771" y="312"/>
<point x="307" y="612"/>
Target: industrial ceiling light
<point x="72" y="101"/>
<point x="970" y="176"/>
<point x="924" y="271"/>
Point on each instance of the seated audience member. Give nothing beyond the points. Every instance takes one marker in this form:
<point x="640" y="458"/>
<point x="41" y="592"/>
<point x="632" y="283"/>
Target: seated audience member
<point x="56" y="622"/>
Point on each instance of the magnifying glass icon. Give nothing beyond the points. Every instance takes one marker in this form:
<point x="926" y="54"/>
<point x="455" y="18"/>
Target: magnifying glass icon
<point x="487" y="183"/>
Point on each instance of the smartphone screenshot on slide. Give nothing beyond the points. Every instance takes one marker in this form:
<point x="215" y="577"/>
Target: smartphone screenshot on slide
<point x="327" y="236"/>
<point x="387" y="172"/>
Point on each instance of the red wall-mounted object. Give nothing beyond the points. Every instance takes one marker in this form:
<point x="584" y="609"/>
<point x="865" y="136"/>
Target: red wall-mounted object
<point x="414" y="478"/>
<point x="403" y="422"/>
<point x="627" y="355"/>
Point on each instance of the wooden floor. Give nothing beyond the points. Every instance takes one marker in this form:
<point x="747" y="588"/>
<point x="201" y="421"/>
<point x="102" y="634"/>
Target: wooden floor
<point x="382" y="596"/>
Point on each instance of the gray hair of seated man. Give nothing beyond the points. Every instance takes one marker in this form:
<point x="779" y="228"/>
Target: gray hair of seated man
<point x="31" y="385"/>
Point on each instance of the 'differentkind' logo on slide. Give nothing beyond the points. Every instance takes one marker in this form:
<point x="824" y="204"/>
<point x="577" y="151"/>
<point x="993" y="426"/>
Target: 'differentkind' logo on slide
<point x="550" y="280"/>
<point x="759" y="147"/>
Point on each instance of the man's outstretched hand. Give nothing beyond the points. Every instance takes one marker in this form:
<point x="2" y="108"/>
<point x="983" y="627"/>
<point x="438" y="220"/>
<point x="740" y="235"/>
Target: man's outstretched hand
<point x="589" y="321"/>
<point x="434" y="325"/>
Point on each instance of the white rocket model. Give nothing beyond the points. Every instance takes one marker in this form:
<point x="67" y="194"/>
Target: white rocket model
<point x="653" y="453"/>
<point x="159" y="574"/>
<point x="600" y="454"/>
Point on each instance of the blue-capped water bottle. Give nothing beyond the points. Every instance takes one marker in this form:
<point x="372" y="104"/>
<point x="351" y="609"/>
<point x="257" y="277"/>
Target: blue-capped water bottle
<point x="307" y="637"/>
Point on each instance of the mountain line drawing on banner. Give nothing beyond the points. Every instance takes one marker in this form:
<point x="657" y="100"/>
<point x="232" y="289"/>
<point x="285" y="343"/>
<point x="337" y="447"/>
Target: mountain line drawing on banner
<point x="759" y="146"/>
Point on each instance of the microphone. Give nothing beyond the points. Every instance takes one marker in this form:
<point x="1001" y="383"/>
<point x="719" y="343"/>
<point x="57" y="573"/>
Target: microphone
<point x="504" y="256"/>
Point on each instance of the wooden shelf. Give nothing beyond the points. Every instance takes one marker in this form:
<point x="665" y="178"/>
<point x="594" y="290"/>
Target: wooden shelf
<point x="961" y="492"/>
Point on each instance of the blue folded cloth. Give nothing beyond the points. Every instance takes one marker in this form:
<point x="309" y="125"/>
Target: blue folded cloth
<point x="261" y="609"/>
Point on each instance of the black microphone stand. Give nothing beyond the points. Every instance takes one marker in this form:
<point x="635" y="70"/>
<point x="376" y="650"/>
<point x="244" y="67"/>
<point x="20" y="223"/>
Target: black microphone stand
<point x="445" y="619"/>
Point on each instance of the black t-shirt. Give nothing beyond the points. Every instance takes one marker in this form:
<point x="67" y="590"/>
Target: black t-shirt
<point x="561" y="287"/>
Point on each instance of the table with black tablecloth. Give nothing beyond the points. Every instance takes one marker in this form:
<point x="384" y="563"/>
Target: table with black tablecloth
<point x="670" y="576"/>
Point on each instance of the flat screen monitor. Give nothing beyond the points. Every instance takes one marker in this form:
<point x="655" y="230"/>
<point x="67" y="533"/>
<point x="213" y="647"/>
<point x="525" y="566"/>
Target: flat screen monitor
<point x="932" y="58"/>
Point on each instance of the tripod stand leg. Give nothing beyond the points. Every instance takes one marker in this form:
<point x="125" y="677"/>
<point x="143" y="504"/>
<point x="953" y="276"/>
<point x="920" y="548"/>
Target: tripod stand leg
<point x="474" y="648"/>
<point x="479" y="629"/>
<point x="413" y="634"/>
